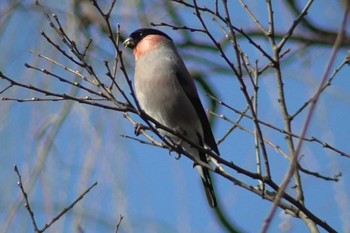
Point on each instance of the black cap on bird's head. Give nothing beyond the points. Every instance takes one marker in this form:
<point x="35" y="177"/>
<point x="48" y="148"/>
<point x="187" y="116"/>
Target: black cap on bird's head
<point x="141" y="33"/>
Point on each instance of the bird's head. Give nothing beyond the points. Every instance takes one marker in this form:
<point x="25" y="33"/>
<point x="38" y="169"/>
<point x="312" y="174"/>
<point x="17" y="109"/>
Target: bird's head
<point x="137" y="36"/>
<point x="145" y="40"/>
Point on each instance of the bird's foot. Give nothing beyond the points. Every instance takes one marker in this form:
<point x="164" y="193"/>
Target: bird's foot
<point x="139" y="127"/>
<point x="175" y="148"/>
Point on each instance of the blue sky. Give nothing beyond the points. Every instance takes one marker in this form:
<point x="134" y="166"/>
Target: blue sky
<point x="150" y="188"/>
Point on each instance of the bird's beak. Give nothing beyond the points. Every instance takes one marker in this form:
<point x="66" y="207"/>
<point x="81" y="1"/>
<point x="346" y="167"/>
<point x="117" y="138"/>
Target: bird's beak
<point x="129" y="43"/>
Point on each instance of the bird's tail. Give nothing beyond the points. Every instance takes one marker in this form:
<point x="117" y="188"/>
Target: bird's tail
<point x="208" y="187"/>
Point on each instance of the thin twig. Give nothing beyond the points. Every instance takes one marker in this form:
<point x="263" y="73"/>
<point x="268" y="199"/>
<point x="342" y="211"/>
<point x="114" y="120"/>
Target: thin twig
<point x="296" y="22"/>
<point x="252" y="16"/>
<point x="329" y="83"/>
<point x="312" y="139"/>
<point x="25" y="195"/>
<point x="119" y="223"/>
<point x="57" y="217"/>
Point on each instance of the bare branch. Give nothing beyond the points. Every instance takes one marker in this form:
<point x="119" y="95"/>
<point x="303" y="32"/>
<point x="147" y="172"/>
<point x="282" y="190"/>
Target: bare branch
<point x="57" y="217"/>
<point x="25" y="195"/>
<point x="296" y="154"/>
<point x="119" y="223"/>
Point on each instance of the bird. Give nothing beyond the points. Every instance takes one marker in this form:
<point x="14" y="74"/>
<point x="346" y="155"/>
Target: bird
<point x="166" y="91"/>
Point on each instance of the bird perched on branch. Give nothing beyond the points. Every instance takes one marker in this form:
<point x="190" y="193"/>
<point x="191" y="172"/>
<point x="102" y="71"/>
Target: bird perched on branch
<point x="166" y="92"/>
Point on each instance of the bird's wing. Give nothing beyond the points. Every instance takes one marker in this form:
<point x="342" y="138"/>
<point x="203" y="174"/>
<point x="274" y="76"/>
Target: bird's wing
<point x="190" y="90"/>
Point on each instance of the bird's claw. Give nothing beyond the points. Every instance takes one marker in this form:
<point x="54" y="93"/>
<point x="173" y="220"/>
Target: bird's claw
<point x="138" y="128"/>
<point x="176" y="147"/>
<point x="178" y="154"/>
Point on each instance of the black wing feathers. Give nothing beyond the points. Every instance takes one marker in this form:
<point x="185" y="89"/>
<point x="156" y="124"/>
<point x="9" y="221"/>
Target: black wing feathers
<point x="194" y="98"/>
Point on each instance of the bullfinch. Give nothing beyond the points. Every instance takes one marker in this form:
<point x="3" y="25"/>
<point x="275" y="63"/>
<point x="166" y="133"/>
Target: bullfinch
<point x="166" y="92"/>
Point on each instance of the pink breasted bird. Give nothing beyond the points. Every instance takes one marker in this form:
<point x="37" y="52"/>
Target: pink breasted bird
<point x="166" y="92"/>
